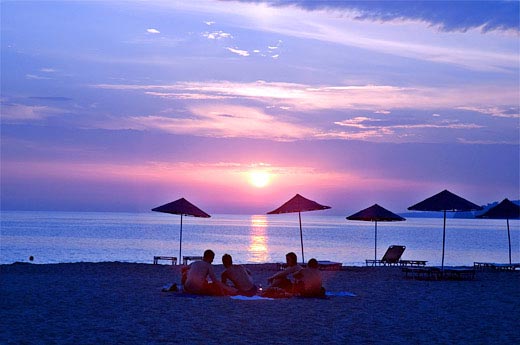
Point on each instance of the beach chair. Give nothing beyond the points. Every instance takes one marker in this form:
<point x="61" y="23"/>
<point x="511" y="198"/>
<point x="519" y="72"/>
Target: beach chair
<point x="437" y="273"/>
<point x="391" y="257"/>
<point x="173" y="259"/>
<point x="186" y="259"/>
<point x="496" y="266"/>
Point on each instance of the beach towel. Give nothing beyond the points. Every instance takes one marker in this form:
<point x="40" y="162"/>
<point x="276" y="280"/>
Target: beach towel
<point x="252" y="298"/>
<point x="339" y="294"/>
<point x="170" y="288"/>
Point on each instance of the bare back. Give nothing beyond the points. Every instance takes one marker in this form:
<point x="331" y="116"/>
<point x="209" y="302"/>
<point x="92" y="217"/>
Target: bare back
<point x="311" y="279"/>
<point x="239" y="276"/>
<point x="196" y="276"/>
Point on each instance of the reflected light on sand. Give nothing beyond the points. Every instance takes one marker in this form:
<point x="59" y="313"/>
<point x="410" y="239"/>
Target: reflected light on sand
<point x="258" y="239"/>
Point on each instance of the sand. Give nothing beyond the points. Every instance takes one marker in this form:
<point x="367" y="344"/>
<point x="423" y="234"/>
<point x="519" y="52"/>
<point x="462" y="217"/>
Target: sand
<point x="122" y="303"/>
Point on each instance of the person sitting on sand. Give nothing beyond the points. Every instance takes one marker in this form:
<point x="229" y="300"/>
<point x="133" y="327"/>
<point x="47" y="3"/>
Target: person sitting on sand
<point x="308" y="281"/>
<point x="195" y="276"/>
<point x="239" y="276"/>
<point x="282" y="279"/>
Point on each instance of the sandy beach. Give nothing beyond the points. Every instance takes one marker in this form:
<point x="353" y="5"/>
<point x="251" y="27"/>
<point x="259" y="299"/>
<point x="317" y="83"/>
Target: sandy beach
<point x="109" y="303"/>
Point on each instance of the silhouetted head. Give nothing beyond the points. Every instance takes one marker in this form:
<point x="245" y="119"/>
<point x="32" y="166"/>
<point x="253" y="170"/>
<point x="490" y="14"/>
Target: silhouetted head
<point x="313" y="263"/>
<point x="209" y="255"/>
<point x="291" y="259"/>
<point x="227" y="260"/>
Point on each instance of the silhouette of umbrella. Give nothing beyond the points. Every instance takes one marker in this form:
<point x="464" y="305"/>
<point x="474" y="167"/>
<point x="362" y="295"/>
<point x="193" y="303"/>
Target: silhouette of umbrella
<point x="376" y="213"/>
<point x="181" y="207"/>
<point x="299" y="204"/>
<point x="445" y="201"/>
<point x="504" y="210"/>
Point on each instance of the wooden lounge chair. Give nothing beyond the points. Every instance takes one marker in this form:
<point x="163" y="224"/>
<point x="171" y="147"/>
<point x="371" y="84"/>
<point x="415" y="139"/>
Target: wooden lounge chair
<point x="496" y="266"/>
<point x="391" y="257"/>
<point x="173" y="259"/>
<point x="186" y="259"/>
<point x="437" y="273"/>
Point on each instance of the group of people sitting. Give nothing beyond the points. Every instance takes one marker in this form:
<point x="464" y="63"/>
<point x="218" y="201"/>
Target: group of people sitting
<point x="237" y="280"/>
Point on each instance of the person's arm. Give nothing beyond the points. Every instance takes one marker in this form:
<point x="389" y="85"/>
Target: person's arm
<point x="281" y="274"/>
<point x="184" y="274"/>
<point x="224" y="277"/>
<point x="212" y="275"/>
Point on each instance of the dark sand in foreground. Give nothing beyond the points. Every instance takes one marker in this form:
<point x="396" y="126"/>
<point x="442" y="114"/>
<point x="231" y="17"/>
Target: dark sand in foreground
<point x="122" y="303"/>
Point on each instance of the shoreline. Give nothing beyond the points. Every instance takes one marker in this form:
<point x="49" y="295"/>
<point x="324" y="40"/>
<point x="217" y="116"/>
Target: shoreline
<point x="115" y="302"/>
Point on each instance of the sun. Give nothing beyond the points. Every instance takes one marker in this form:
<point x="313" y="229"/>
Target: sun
<point x="259" y="179"/>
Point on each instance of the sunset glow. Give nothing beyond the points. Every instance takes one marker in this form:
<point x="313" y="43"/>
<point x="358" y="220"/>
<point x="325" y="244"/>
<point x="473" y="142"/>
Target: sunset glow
<point x="238" y="105"/>
<point x="259" y="179"/>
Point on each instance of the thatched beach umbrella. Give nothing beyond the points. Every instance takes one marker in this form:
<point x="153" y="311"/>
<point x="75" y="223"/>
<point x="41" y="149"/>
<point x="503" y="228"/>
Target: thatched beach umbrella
<point x="504" y="210"/>
<point x="299" y="204"/>
<point x="376" y="213"/>
<point x="445" y="201"/>
<point x="181" y="207"/>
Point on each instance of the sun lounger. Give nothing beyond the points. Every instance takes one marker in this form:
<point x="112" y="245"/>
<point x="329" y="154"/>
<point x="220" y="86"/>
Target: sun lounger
<point x="173" y="259"/>
<point x="187" y="259"/>
<point x="391" y="257"/>
<point x="437" y="273"/>
<point x="412" y="263"/>
<point x="326" y="265"/>
<point x="496" y="266"/>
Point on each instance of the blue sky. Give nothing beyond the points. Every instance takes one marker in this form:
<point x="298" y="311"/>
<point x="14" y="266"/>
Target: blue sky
<point x="122" y="106"/>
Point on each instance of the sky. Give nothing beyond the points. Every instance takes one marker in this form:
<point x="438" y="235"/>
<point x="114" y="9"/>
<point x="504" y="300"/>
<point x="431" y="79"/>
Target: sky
<point x="239" y="105"/>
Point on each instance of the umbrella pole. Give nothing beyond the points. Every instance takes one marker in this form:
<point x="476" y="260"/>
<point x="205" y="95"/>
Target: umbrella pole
<point x="301" y="235"/>
<point x="375" y="244"/>
<point x="180" y="243"/>
<point x="509" y="238"/>
<point x="443" y="242"/>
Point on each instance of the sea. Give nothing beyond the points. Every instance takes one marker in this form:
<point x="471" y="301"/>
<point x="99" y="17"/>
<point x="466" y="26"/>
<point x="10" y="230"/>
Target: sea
<point x="64" y="237"/>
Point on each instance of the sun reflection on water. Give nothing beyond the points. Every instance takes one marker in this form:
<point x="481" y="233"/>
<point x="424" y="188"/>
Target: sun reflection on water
<point x="258" y="239"/>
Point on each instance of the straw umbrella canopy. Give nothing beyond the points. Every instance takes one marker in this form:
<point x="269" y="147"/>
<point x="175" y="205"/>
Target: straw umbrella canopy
<point x="445" y="201"/>
<point x="181" y="207"/>
<point x="376" y="213"/>
<point x="504" y="210"/>
<point x="299" y="204"/>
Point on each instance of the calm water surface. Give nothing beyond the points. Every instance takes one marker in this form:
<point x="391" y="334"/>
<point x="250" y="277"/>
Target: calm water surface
<point x="53" y="237"/>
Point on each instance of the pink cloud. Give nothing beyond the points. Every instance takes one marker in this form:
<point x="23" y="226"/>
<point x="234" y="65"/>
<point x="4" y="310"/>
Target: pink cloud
<point x="302" y="97"/>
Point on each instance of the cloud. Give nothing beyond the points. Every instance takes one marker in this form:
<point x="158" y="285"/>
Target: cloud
<point x="44" y="98"/>
<point x="47" y="70"/>
<point x="357" y="122"/>
<point x="290" y="111"/>
<point x="276" y="46"/>
<point x="365" y="128"/>
<point x="216" y="35"/>
<point x="20" y="112"/>
<point x="184" y="95"/>
<point x="445" y="15"/>
<point x="35" y="77"/>
<point x="403" y="38"/>
<point x="365" y="122"/>
<point x="153" y="31"/>
<point x="224" y="121"/>
<point x="303" y="97"/>
<point x="238" y="51"/>
<point x="509" y="112"/>
<point x="209" y="22"/>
